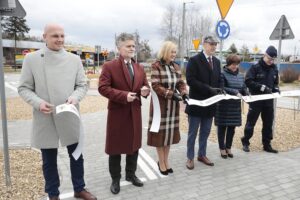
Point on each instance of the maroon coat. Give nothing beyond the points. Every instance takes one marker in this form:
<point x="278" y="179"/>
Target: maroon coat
<point x="124" y="120"/>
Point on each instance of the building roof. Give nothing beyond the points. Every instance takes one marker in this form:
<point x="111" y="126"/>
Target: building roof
<point x="23" y="44"/>
<point x="38" y="45"/>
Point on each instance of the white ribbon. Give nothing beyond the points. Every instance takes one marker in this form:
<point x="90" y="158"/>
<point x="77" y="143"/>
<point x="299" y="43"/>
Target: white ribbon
<point x="247" y="99"/>
<point x="71" y="108"/>
<point x="156" y="113"/>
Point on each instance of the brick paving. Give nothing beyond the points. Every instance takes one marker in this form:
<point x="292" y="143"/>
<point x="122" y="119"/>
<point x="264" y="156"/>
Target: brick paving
<point x="249" y="176"/>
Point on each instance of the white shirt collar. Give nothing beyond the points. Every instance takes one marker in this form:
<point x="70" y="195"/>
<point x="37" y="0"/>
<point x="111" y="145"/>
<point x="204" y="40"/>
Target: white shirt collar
<point x="206" y="56"/>
<point x="127" y="61"/>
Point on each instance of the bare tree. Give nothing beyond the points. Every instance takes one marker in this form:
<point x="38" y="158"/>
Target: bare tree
<point x="196" y="25"/>
<point x="170" y="28"/>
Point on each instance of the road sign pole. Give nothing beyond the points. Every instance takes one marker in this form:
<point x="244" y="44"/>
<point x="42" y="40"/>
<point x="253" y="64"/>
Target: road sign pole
<point x="220" y="53"/>
<point x="4" y="119"/>
<point x="279" y="45"/>
<point x="278" y="66"/>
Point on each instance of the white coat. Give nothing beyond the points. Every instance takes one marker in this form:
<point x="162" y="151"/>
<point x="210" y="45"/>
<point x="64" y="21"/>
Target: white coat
<point x="52" y="76"/>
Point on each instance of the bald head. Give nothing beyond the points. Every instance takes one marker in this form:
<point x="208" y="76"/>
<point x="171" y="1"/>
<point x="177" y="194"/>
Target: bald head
<point x="54" y="36"/>
<point x="52" y="26"/>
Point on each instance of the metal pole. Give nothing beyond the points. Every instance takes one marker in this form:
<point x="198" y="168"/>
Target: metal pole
<point x="278" y="66"/>
<point x="182" y="36"/>
<point x="279" y="45"/>
<point x="220" y="53"/>
<point x="4" y="119"/>
<point x="98" y="52"/>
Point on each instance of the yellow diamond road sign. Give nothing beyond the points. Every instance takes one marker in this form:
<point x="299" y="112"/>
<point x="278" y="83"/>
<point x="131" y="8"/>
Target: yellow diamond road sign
<point x="224" y="6"/>
<point x="196" y="43"/>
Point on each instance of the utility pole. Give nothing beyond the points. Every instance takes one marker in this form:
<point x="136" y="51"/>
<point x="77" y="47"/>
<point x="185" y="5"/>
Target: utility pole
<point x="7" y="8"/>
<point x="183" y="34"/>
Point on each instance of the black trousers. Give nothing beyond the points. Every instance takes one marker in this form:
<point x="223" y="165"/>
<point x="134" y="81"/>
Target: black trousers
<point x="115" y="165"/>
<point x="267" y="116"/>
<point x="228" y="133"/>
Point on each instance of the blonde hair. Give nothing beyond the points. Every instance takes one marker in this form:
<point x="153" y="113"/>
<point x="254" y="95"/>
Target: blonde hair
<point x="165" y="50"/>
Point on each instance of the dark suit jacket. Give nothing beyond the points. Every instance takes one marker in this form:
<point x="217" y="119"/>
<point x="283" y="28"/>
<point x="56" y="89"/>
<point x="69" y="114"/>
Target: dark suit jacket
<point x="201" y="78"/>
<point x="124" y="120"/>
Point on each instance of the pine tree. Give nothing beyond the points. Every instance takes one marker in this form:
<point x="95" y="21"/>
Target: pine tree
<point x="15" y="28"/>
<point x="233" y="48"/>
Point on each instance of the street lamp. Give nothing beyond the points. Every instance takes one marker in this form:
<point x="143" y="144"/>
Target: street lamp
<point x="183" y="31"/>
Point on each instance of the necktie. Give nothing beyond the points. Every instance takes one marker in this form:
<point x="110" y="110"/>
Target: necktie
<point x="130" y="70"/>
<point x="210" y="62"/>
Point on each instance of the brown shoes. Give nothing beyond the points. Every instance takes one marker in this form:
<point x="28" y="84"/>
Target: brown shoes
<point x="189" y="164"/>
<point x="205" y="160"/>
<point x="84" y="195"/>
<point x="54" y="198"/>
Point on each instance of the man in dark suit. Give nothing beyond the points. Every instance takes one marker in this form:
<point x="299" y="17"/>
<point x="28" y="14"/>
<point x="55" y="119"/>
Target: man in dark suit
<point x="202" y="74"/>
<point x="123" y="82"/>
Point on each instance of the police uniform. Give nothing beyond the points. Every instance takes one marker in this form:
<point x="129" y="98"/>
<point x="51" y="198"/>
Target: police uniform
<point x="261" y="79"/>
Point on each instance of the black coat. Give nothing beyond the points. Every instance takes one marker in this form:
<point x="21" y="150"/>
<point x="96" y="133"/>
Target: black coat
<point x="229" y="111"/>
<point x="262" y="74"/>
<point x="201" y="78"/>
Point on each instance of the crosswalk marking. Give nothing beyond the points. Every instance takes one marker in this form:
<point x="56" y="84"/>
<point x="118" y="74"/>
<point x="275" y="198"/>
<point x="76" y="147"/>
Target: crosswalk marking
<point x="8" y="85"/>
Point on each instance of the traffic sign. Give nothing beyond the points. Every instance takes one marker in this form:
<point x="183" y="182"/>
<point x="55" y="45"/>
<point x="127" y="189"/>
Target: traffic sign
<point x="223" y="29"/>
<point x="256" y="49"/>
<point x="196" y="43"/>
<point x="224" y="6"/>
<point x="97" y="48"/>
<point x="12" y="8"/>
<point x="282" y="30"/>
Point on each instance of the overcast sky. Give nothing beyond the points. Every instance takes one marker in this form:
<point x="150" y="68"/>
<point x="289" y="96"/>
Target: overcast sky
<point x="95" y="22"/>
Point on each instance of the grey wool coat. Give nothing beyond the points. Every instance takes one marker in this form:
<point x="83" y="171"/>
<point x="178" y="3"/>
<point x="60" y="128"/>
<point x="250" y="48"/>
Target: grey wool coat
<point x="52" y="76"/>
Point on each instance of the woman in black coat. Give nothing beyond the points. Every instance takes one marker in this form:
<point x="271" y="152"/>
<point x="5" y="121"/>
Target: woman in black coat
<point x="228" y="114"/>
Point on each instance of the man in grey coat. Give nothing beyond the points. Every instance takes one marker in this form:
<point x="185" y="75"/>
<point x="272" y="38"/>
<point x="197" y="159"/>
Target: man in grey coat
<point x="50" y="77"/>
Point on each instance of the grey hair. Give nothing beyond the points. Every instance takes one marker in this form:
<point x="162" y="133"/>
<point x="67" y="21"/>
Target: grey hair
<point x="124" y="37"/>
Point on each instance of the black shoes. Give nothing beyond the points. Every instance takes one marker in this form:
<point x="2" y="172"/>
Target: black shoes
<point x="135" y="181"/>
<point x="246" y="148"/>
<point x="170" y="170"/>
<point x="54" y="198"/>
<point x="164" y="172"/>
<point x="269" y="149"/>
<point x="230" y="155"/>
<point x="115" y="186"/>
<point x="223" y="155"/>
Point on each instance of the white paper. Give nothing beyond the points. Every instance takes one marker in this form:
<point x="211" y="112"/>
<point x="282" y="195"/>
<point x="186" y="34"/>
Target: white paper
<point x="67" y="108"/>
<point x="156" y="113"/>
<point x="71" y="108"/>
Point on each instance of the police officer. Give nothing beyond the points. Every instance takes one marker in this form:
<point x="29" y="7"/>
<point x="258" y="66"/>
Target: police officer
<point x="262" y="78"/>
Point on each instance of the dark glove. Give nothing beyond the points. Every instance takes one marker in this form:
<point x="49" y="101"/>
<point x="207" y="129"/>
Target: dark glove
<point x="244" y="92"/>
<point x="266" y="89"/>
<point x="216" y="91"/>
<point x="176" y="97"/>
<point x="185" y="98"/>
<point x="276" y="89"/>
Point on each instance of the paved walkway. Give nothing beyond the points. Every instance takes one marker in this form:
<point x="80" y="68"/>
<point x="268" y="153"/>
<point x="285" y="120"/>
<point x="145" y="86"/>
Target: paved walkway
<point x="252" y="176"/>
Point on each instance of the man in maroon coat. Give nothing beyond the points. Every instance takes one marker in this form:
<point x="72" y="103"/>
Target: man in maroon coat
<point x="123" y="82"/>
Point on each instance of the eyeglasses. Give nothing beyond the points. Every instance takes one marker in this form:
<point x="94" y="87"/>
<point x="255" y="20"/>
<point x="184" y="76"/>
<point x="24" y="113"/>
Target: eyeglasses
<point x="270" y="58"/>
